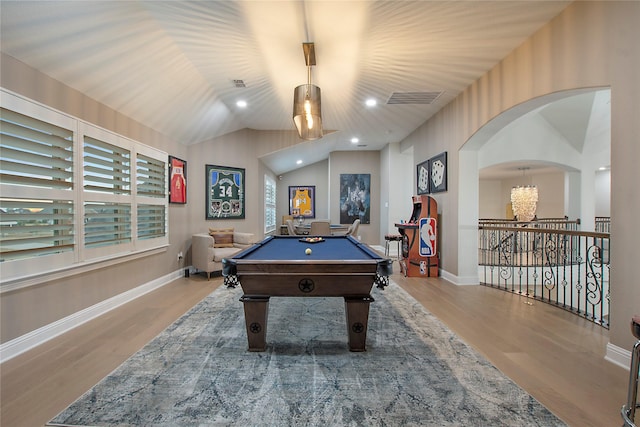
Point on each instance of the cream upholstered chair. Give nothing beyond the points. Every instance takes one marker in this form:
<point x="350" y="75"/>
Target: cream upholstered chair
<point x="285" y="218"/>
<point x="353" y="228"/>
<point x="320" y="228"/>
<point x="205" y="256"/>
<point x="291" y="228"/>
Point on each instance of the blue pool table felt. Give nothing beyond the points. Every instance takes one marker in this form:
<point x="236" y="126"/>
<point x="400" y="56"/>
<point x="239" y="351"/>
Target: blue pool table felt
<point x="291" y="248"/>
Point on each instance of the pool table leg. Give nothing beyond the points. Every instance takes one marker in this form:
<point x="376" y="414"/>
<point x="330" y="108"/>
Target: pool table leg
<point x="357" y="310"/>
<point x="256" y="310"/>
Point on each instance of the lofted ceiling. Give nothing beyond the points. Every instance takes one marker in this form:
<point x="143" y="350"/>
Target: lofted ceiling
<point x="180" y="66"/>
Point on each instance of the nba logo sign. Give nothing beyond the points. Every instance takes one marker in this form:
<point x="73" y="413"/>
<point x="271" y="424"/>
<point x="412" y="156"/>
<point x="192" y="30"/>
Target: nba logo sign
<point x="427" y="236"/>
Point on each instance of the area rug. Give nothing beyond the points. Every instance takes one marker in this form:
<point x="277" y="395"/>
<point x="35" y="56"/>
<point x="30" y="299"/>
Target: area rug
<point x="415" y="372"/>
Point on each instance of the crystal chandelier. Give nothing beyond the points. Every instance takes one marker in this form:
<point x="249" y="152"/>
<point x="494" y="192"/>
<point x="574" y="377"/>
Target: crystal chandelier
<point x="524" y="201"/>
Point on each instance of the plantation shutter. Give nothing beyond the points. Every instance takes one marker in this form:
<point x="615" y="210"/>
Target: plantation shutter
<point x="107" y="169"/>
<point x="151" y="183"/>
<point x="73" y="194"/>
<point x="151" y="221"/>
<point x="269" y="204"/>
<point x="150" y="176"/>
<point x="106" y="224"/>
<point x="37" y="157"/>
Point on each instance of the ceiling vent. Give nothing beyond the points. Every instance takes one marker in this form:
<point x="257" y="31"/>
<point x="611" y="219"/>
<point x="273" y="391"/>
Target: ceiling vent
<point x="239" y="83"/>
<point x="413" y="97"/>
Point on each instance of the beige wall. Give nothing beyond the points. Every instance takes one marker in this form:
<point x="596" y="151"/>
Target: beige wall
<point x="238" y="150"/>
<point x="495" y="195"/>
<point x="590" y="44"/>
<point x="396" y="172"/>
<point x="325" y="175"/>
<point x="314" y="174"/>
<point x="352" y="162"/>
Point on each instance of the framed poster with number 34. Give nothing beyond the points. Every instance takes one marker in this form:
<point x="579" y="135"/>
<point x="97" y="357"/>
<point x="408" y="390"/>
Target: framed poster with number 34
<point x="225" y="196"/>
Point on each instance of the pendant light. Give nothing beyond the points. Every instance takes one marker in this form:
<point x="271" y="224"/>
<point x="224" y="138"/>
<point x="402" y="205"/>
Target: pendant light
<point x="307" y="111"/>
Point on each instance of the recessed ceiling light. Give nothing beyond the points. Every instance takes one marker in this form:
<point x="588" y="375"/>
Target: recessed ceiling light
<point x="371" y="102"/>
<point x="241" y="104"/>
<point x="299" y="162"/>
<point x="354" y="140"/>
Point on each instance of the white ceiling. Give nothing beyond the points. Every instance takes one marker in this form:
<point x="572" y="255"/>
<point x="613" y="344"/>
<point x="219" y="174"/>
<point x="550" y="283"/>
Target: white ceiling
<point x="571" y="118"/>
<point x="171" y="64"/>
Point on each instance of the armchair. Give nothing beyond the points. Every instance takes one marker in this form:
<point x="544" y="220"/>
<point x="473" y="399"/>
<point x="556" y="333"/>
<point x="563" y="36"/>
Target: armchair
<point x="353" y="228"/>
<point x="320" y="228"/>
<point x="207" y="257"/>
<point x="291" y="228"/>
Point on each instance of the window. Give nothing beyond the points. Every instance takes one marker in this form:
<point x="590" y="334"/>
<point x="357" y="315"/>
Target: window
<point x="107" y="192"/>
<point x="151" y="175"/>
<point x="269" y="204"/>
<point x="36" y="188"/>
<point x="69" y="194"/>
<point x="151" y="188"/>
<point x="106" y="224"/>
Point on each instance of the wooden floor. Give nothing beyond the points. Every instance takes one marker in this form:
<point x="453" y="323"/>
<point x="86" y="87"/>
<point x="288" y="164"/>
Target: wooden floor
<point x="555" y="356"/>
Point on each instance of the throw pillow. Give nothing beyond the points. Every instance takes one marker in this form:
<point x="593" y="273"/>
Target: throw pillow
<point x="243" y="238"/>
<point x="222" y="237"/>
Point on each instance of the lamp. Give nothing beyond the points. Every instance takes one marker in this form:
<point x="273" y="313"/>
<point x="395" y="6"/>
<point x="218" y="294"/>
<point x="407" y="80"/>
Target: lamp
<point x="307" y="112"/>
<point x="524" y="200"/>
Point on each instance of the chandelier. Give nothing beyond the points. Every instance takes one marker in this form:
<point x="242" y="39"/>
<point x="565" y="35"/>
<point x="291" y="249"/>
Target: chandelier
<point x="524" y="200"/>
<point x="307" y="112"/>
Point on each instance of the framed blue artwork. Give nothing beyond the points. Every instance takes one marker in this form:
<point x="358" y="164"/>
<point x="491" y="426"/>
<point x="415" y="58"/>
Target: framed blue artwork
<point x="355" y="198"/>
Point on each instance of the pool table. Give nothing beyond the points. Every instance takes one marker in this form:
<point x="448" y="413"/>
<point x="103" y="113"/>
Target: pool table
<point x="338" y="266"/>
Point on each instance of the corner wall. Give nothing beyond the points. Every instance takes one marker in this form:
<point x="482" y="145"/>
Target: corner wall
<point x="589" y="45"/>
<point x="360" y="162"/>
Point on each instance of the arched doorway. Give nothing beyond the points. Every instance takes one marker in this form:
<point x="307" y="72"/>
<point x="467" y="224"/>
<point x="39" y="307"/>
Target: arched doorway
<point x="566" y="133"/>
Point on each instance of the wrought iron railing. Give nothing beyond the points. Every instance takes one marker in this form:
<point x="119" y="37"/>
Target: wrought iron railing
<point x="546" y="223"/>
<point x="603" y="224"/>
<point x="562" y="267"/>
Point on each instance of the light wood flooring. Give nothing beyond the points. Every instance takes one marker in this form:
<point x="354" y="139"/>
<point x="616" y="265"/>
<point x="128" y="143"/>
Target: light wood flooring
<point x="555" y="356"/>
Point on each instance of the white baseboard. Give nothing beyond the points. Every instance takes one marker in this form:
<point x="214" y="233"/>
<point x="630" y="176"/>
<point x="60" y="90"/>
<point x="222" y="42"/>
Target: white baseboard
<point x="26" y="342"/>
<point x="618" y="356"/>
<point x="459" y="280"/>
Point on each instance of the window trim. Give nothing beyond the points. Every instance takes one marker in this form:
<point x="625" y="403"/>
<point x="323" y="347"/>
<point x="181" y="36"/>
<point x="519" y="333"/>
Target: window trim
<point x="270" y="206"/>
<point x="14" y="273"/>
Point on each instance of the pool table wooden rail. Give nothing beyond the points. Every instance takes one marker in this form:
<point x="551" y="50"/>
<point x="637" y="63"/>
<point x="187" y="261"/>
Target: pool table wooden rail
<point x="308" y="285"/>
<point x="351" y="279"/>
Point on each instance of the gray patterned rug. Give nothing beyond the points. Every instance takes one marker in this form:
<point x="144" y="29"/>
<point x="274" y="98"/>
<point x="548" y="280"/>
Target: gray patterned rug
<point x="415" y="372"/>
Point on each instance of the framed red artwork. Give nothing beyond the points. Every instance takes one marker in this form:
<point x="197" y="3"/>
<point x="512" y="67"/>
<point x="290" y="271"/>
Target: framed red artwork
<point x="177" y="180"/>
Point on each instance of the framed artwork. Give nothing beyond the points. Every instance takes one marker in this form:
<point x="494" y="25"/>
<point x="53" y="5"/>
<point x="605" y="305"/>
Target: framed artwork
<point x="302" y="201"/>
<point x="422" y="174"/>
<point x="355" y="198"/>
<point x="438" y="173"/>
<point x="225" y="196"/>
<point x="177" y="180"/>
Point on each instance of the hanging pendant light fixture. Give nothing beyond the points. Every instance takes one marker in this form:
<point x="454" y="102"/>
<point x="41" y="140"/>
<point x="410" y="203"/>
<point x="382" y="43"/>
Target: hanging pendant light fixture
<point x="307" y="111"/>
<point x="524" y="200"/>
